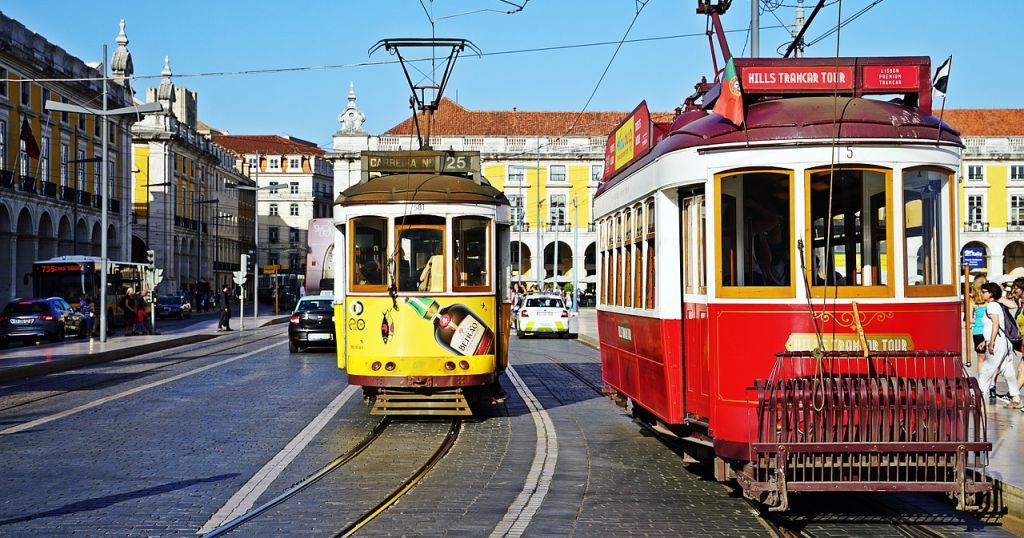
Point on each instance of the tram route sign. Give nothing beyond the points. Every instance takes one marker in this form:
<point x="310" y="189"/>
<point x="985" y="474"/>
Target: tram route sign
<point x="426" y="162"/>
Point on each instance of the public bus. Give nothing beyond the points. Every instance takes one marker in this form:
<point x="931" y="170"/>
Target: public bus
<point x="68" y="277"/>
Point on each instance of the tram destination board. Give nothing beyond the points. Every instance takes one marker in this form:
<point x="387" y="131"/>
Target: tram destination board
<point x="424" y="162"/>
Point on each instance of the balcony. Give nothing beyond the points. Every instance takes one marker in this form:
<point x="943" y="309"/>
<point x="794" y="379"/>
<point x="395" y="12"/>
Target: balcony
<point x="1015" y="227"/>
<point x="114" y="206"/>
<point x="552" y="227"/>
<point x="49" y="189"/>
<point x="6" y="179"/>
<point x="84" y="198"/>
<point x="521" y="227"/>
<point x="28" y="184"/>
<point x="68" y="194"/>
<point x="591" y="227"/>
<point x="97" y="201"/>
<point x="976" y="227"/>
<point x="320" y="195"/>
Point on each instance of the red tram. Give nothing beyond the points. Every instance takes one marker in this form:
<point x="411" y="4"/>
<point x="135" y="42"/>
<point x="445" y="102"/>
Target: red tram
<point x="783" y="294"/>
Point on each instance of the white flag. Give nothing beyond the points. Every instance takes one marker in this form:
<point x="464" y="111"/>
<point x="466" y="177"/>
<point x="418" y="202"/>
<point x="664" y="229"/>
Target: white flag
<point x="941" y="78"/>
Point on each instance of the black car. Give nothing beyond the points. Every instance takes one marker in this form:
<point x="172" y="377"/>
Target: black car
<point x="173" y="305"/>
<point x="312" y="323"/>
<point x="32" y="320"/>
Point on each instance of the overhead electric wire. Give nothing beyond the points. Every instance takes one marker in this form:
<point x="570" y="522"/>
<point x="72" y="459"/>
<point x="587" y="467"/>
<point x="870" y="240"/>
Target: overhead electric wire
<point x="844" y="23"/>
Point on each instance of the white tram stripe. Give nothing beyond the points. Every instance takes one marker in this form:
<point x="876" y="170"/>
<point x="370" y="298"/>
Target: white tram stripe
<point x="245" y="498"/>
<point x="118" y="396"/>
<point x="538" y="481"/>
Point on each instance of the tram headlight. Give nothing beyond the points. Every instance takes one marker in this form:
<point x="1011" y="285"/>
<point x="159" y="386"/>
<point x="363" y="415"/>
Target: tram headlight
<point x="464" y="365"/>
<point x="449" y="366"/>
<point x="389" y="366"/>
<point x="375" y="366"/>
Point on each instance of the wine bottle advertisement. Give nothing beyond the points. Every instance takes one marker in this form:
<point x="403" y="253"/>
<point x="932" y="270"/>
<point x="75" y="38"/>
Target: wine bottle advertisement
<point x="420" y="327"/>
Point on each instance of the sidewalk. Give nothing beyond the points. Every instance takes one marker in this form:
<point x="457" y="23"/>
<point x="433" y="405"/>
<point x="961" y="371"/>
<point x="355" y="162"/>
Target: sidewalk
<point x="21" y="361"/>
<point x="1005" y="431"/>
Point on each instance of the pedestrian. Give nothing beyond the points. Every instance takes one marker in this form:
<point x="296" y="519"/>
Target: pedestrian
<point x="998" y="350"/>
<point x="225" y="311"/>
<point x="141" y="320"/>
<point x="977" y="319"/>
<point x="85" y="308"/>
<point x="128" y="308"/>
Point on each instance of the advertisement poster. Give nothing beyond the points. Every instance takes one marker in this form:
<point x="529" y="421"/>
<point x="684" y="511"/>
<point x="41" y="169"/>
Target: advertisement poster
<point x="320" y="256"/>
<point x="424" y="327"/>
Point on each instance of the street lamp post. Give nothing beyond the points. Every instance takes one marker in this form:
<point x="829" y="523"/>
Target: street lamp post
<point x="103" y="114"/>
<point x="74" y="227"/>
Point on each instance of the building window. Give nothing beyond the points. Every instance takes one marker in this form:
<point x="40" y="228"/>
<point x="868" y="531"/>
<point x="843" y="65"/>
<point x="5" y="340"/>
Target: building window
<point x="273" y="233"/>
<point x="556" y="210"/>
<point x="24" y="158"/>
<point x="44" y="158"/>
<point x="1017" y="171"/>
<point x="3" y="85"/>
<point x="293" y="187"/>
<point x="975" y="172"/>
<point x="64" y="156"/>
<point x="26" y="93"/>
<point x="596" y="171"/>
<point x="110" y="177"/>
<point x="252" y="162"/>
<point x="275" y="162"/>
<point x="3" y="141"/>
<point x="273" y="210"/>
<point x="293" y="164"/>
<point x="273" y="191"/>
<point x="272" y="258"/>
<point x="97" y="126"/>
<point x="975" y="208"/>
<point x="1017" y="211"/>
<point x="65" y="117"/>
<point x="293" y="235"/>
<point x="97" y="170"/>
<point x="80" y="169"/>
<point x="518" y="211"/>
<point x="293" y="210"/>
<point x="557" y="172"/>
<point x="174" y="159"/>
<point x="293" y="263"/>
<point x="81" y="121"/>
<point x="516" y="173"/>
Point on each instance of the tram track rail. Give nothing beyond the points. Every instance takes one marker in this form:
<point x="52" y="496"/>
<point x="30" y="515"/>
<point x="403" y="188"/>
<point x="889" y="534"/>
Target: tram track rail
<point x="443" y="449"/>
<point x="115" y="378"/>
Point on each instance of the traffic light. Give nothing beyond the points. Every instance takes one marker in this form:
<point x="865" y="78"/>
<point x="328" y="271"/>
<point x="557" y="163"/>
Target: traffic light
<point x="150" y="257"/>
<point x="250" y="265"/>
<point x="245" y="263"/>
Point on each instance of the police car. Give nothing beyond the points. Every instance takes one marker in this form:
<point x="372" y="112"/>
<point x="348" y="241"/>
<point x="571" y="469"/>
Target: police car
<point x="543" y="314"/>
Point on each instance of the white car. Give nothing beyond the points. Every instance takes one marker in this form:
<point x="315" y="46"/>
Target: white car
<point x="542" y="314"/>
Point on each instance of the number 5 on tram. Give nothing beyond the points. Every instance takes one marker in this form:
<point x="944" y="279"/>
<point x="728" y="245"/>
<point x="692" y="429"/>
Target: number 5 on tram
<point x="423" y="316"/>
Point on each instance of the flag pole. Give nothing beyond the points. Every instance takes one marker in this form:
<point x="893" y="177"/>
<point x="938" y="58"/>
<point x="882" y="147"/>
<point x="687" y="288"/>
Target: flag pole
<point x="948" y="65"/>
<point x="942" y="111"/>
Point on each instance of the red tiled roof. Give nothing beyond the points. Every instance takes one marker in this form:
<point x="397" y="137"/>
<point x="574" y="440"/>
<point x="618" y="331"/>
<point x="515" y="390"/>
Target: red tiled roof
<point x="454" y="119"/>
<point x="985" y="121"/>
<point x="265" y="144"/>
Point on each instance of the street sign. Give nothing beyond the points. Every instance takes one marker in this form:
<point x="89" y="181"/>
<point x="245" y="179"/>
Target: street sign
<point x="240" y="277"/>
<point x="154" y="277"/>
<point x="974" y="258"/>
<point x="271" y="269"/>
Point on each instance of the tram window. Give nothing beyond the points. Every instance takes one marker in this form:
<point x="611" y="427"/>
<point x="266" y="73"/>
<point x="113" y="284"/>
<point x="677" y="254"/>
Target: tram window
<point x="471" y="246"/>
<point x="368" y="240"/>
<point x="694" y="245"/>
<point x="755" y="240"/>
<point x="926" y="221"/>
<point x="638" y="275"/>
<point x="848" y="247"/>
<point x="419" y="258"/>
<point x="627" y="275"/>
<point x="650" y="273"/>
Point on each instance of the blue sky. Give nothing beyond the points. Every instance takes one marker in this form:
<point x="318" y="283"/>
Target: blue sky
<point x="216" y="36"/>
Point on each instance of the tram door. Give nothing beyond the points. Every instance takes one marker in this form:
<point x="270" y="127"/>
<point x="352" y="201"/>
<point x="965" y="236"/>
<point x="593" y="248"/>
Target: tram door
<point x="693" y="257"/>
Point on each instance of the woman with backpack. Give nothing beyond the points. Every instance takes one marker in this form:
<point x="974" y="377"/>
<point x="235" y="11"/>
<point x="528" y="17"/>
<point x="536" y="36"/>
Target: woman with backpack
<point x="997" y="346"/>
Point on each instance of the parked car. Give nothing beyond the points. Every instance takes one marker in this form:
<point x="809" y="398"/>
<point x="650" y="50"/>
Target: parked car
<point x="173" y="305"/>
<point x="542" y="314"/>
<point x="31" y="320"/>
<point x="312" y="323"/>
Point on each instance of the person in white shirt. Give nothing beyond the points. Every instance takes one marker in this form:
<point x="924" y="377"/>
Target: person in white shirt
<point x="998" y="350"/>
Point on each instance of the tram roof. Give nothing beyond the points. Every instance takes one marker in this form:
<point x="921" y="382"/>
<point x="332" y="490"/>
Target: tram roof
<point x="784" y="121"/>
<point x="421" y="188"/>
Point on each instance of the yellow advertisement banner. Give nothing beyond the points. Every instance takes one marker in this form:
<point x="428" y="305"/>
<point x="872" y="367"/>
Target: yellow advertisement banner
<point x="624" y="144"/>
<point x="850" y="342"/>
<point x="420" y="327"/>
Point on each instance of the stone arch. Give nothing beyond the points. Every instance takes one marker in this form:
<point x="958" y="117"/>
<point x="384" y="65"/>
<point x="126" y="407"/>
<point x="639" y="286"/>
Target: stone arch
<point x="564" y="259"/>
<point x="65" y="236"/>
<point x="7" y="270"/>
<point x="47" y="237"/>
<point x="97" y="240"/>
<point x="1013" y="257"/>
<point x="27" y="249"/>
<point x="526" y="257"/>
<point x="590" y="259"/>
<point x="81" y="239"/>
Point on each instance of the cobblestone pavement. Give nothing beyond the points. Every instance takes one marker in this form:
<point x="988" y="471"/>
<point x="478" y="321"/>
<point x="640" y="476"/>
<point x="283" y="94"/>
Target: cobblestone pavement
<point x="161" y="461"/>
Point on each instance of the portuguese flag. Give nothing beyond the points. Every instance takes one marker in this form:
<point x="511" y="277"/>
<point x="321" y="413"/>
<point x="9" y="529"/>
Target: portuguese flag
<point x="730" y="99"/>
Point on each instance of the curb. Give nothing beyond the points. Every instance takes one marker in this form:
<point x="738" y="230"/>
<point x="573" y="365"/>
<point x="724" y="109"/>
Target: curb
<point x="589" y="341"/>
<point x="32" y="370"/>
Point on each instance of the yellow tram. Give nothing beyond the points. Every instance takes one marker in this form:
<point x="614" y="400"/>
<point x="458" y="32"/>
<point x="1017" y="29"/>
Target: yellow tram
<point x="423" y="314"/>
